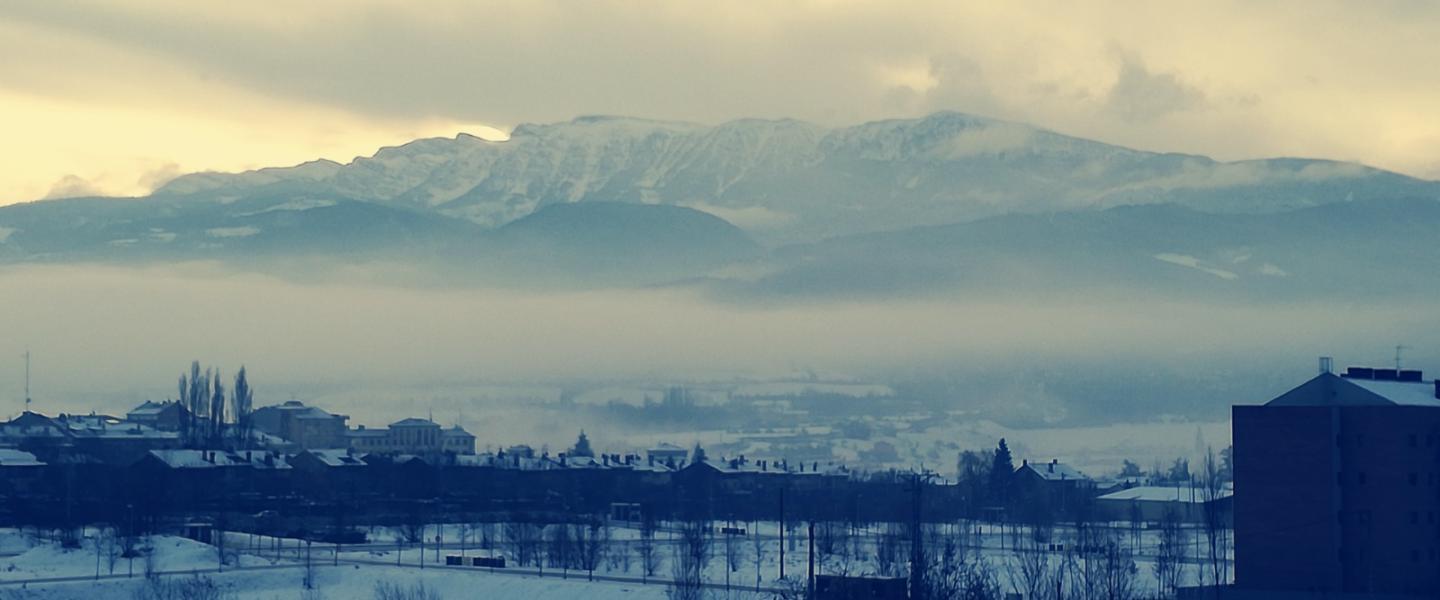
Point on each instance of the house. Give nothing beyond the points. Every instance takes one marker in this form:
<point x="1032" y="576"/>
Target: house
<point x="36" y="433"/>
<point x="1339" y="482"/>
<point x="306" y="427"/>
<point x="1054" y="486"/>
<point x="161" y="416"/>
<point x="329" y="472"/>
<point x="1154" y="504"/>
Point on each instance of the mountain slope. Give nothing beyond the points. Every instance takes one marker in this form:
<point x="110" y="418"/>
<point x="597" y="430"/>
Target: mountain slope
<point x="1357" y="251"/>
<point x="786" y="180"/>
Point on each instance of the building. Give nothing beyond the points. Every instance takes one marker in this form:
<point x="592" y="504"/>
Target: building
<point x="1054" y="486"/>
<point x="306" y="427"/>
<point x="667" y="454"/>
<point x="1155" y="503"/>
<point x="456" y="440"/>
<point x="419" y="437"/>
<point x="1339" y="484"/>
<point x="101" y="437"/>
<point x="161" y="416"/>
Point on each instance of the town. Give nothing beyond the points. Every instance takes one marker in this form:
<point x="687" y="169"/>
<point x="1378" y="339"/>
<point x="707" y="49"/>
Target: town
<point x="1329" y="489"/>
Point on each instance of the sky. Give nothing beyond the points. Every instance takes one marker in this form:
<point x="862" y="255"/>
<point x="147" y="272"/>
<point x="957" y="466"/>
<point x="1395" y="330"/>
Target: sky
<point x="116" y="98"/>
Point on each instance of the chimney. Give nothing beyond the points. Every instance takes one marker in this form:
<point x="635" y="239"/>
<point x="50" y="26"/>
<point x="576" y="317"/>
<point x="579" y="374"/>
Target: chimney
<point x="1053" y="462"/>
<point x="1326" y="365"/>
<point x="1437" y="389"/>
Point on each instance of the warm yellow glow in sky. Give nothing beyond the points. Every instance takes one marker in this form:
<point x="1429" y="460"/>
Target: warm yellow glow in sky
<point x="109" y="98"/>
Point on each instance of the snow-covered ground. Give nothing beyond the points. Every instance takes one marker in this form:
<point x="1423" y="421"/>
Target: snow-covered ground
<point x="265" y="568"/>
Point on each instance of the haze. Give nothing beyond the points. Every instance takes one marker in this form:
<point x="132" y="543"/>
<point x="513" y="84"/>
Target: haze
<point x="107" y="337"/>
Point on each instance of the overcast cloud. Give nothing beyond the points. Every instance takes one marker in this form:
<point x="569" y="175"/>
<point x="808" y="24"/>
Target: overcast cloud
<point x="99" y="96"/>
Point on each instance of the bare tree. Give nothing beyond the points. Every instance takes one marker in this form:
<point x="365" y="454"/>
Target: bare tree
<point x="385" y="590"/>
<point x="890" y="548"/>
<point x="192" y="588"/>
<point x="734" y="554"/>
<point x="560" y="548"/>
<point x="1170" y="553"/>
<point x="956" y="580"/>
<point x="691" y="556"/>
<point x="242" y="400"/>
<point x="645" y="547"/>
<point x="832" y="546"/>
<point x="525" y="538"/>
<point x="1032" y="556"/>
<point x="1217" y="539"/>
<point x="758" y="553"/>
<point x="592" y="542"/>
<point x="1117" y="570"/>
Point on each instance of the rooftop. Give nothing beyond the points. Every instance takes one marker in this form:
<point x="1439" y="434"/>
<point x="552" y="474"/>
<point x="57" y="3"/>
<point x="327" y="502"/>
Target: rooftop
<point x="1328" y="389"/>
<point x="10" y="457"/>
<point x="1054" y="471"/>
<point x="1156" y="493"/>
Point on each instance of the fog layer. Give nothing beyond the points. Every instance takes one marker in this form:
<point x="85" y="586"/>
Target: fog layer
<point x="104" y="338"/>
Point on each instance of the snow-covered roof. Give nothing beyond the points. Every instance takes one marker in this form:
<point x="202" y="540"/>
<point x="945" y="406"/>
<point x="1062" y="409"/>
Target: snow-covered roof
<point x="1328" y="389"/>
<point x="210" y="459"/>
<point x="1157" y="493"/>
<point x="1405" y="393"/>
<point x="10" y="457"/>
<point x="1054" y="471"/>
<point x="337" y="457"/>
<point x="148" y="408"/>
<point x="414" y="422"/>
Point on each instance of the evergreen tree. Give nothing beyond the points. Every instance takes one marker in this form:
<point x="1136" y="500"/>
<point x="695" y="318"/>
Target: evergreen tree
<point x="1001" y="471"/>
<point x="582" y="446"/>
<point x="698" y="455"/>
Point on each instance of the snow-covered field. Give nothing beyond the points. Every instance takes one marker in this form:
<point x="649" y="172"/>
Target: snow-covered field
<point x="256" y="570"/>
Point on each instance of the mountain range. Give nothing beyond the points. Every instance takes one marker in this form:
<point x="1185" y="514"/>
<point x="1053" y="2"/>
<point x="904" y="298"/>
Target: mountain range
<point x="945" y="202"/>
